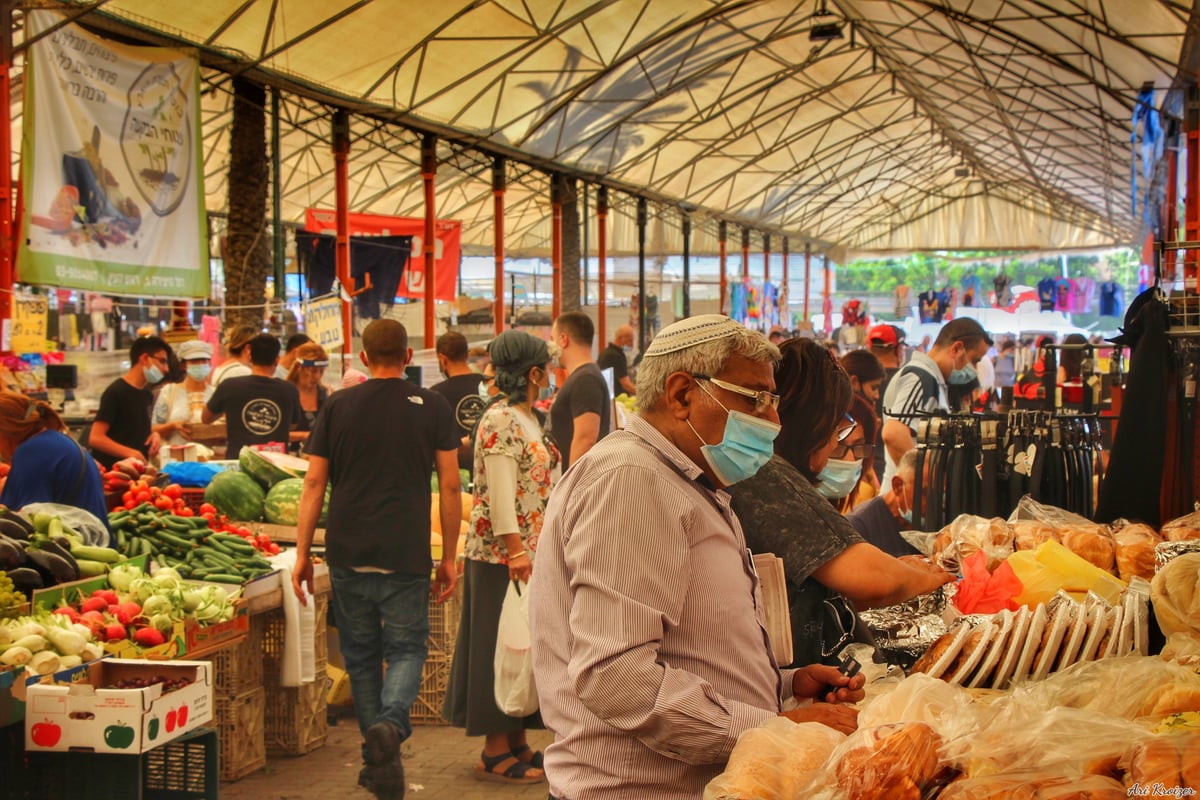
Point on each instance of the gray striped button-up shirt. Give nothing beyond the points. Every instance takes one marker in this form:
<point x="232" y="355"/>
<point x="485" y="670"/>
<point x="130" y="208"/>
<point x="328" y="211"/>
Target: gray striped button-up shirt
<point x="648" y="641"/>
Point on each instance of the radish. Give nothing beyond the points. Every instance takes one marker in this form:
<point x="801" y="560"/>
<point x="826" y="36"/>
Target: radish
<point x="94" y="604"/>
<point x="108" y="595"/>
<point x="149" y="637"/>
<point x="114" y="632"/>
<point x="68" y="612"/>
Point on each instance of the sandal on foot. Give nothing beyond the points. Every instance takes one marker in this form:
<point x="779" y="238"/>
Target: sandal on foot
<point x="506" y="768"/>
<point x="531" y="757"/>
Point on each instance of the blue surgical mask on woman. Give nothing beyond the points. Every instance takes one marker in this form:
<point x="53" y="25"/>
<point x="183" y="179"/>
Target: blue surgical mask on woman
<point x="198" y="372"/>
<point x="748" y="444"/>
<point x="838" y="478"/>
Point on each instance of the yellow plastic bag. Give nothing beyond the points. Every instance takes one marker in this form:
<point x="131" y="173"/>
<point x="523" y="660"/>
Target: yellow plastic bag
<point x="1051" y="567"/>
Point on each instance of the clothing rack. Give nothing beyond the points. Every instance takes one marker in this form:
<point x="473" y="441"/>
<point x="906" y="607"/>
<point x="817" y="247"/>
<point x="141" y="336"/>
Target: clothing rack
<point x="983" y="464"/>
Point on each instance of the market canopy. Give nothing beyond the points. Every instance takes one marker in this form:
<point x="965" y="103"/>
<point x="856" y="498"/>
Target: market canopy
<point x="861" y="126"/>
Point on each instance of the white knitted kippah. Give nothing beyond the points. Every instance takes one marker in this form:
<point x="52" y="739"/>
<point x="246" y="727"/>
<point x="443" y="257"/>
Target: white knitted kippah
<point x="692" y="331"/>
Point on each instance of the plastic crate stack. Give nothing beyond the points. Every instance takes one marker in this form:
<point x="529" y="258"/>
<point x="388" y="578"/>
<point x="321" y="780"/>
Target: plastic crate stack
<point x="295" y="720"/>
<point x="239" y="703"/>
<point x="443" y="632"/>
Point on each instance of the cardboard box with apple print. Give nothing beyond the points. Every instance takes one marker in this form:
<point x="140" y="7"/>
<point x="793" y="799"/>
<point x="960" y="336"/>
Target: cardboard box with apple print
<point x="89" y="717"/>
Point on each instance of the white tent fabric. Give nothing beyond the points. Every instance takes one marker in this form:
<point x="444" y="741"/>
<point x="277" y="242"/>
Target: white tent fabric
<point x="956" y="124"/>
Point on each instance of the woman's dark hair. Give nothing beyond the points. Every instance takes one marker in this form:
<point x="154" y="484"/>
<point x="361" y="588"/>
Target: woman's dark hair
<point x="863" y="413"/>
<point x="864" y="365"/>
<point x="814" y="394"/>
<point x="1072" y="360"/>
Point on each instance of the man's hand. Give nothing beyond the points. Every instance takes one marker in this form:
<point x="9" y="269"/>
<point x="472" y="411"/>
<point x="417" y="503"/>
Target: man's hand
<point x="302" y="574"/>
<point x="836" y="716"/>
<point x="814" y="681"/>
<point x="445" y="580"/>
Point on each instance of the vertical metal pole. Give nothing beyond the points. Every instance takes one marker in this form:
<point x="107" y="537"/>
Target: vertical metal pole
<point x="766" y="258"/>
<point x="1170" y="213"/>
<point x="499" y="184"/>
<point x="602" y="266"/>
<point x="641" y="225"/>
<point x="555" y="248"/>
<point x="8" y="242"/>
<point x="785" y="318"/>
<point x="341" y="153"/>
<point x="827" y="303"/>
<point x="722" y="231"/>
<point x="429" y="177"/>
<point x="277" y="201"/>
<point x="584" y="224"/>
<point x="745" y="254"/>
<point x="687" y="266"/>
<point x="1191" y="215"/>
<point x="807" y="277"/>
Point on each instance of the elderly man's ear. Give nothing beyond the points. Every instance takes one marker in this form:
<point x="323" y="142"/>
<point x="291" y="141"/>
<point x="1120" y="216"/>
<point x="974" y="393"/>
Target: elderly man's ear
<point x="678" y="394"/>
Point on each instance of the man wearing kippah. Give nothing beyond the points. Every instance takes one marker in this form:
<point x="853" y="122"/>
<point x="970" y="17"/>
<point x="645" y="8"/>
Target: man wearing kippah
<point x="649" y="646"/>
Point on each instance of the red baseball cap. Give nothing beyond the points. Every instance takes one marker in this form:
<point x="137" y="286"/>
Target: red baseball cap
<point x="882" y="335"/>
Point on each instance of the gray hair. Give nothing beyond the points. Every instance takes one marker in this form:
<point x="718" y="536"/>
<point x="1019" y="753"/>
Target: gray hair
<point x="707" y="358"/>
<point x="908" y="463"/>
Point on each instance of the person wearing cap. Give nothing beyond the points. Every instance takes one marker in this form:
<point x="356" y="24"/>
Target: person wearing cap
<point x="306" y="372"/>
<point x="123" y="422"/>
<point x="181" y="405"/>
<point x="921" y="386"/>
<point x="649" y="649"/>
<point x="886" y="343"/>
<point x="377" y="445"/>
<point x="515" y="467"/>
<point x="259" y="409"/>
<point x="237" y="365"/>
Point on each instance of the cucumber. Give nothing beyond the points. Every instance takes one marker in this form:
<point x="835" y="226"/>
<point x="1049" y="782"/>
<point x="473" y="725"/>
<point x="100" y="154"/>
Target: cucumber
<point x="104" y="554"/>
<point x="222" y="577"/>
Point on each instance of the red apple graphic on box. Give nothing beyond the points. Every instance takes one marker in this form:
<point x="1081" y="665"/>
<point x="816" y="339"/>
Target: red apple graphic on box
<point x="45" y="734"/>
<point x="171" y="719"/>
<point x="181" y="717"/>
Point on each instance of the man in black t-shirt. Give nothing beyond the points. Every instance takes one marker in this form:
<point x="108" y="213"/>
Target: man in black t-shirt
<point x="377" y="444"/>
<point x="461" y="390"/>
<point x="122" y="426"/>
<point x="258" y="408"/>
<point x="582" y="411"/>
<point x="614" y="357"/>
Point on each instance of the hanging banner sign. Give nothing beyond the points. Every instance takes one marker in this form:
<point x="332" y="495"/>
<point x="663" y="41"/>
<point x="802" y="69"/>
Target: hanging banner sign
<point x="323" y="322"/>
<point x="447" y="247"/>
<point x="113" y="190"/>
<point x="29" y="313"/>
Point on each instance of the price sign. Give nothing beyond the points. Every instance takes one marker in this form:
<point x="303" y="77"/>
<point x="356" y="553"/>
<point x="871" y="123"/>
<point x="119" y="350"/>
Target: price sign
<point x="29" y="324"/>
<point x="323" y="322"/>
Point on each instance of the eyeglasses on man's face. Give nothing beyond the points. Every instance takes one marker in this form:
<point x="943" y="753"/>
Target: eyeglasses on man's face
<point x="762" y="398"/>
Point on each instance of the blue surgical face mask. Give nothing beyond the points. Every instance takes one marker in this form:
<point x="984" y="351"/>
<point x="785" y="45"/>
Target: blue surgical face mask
<point x="963" y="376"/>
<point x="748" y="444"/>
<point x="545" y="392"/>
<point x="198" y="372"/>
<point x="153" y="374"/>
<point x="483" y="390"/>
<point x="838" y="478"/>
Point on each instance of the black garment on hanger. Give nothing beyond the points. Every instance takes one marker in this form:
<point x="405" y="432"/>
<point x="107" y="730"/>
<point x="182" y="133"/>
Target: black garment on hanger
<point x="382" y="259"/>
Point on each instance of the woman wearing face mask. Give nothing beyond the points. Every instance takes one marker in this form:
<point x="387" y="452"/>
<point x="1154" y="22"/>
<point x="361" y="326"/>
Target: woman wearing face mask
<point x="515" y="467"/>
<point x="785" y="509"/>
<point x="307" y="372"/>
<point x="179" y="405"/>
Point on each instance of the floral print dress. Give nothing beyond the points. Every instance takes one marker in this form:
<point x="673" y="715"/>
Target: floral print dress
<point x="511" y="430"/>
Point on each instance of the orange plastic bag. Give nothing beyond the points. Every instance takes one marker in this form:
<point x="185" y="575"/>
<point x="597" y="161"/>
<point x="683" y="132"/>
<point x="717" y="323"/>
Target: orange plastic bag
<point x="983" y="592"/>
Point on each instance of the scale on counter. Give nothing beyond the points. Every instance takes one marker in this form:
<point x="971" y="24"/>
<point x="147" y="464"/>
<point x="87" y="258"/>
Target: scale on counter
<point x="59" y="379"/>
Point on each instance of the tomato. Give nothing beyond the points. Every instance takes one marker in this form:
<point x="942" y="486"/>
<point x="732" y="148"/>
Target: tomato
<point x="212" y="522"/>
<point x="184" y="511"/>
<point x="245" y="532"/>
<point x="142" y="496"/>
<point x="163" y="503"/>
<point x="127" y="498"/>
<point x="155" y="491"/>
<point x="208" y="508"/>
<point x="174" y="491"/>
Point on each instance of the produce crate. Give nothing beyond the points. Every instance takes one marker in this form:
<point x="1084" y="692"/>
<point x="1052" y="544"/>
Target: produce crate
<point x="184" y="769"/>
<point x="273" y="630"/>
<point x="193" y="498"/>
<point x="295" y="719"/>
<point x="240" y="720"/>
<point x="443" y="631"/>
<point x="239" y="666"/>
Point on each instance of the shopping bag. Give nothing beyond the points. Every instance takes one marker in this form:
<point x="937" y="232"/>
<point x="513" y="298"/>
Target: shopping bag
<point x="515" y="692"/>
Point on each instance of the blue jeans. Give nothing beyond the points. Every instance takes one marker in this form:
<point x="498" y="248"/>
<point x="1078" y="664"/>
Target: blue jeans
<point x="382" y="617"/>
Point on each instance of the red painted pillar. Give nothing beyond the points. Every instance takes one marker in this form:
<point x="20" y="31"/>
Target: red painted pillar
<point x="785" y="318"/>
<point x="1170" y="215"/>
<point x="499" y="184"/>
<point x="722" y="231"/>
<point x="341" y="154"/>
<point x="555" y="248"/>
<point x="429" y="176"/>
<point x="8" y="242"/>
<point x="602" y="255"/>
<point x="745" y="254"/>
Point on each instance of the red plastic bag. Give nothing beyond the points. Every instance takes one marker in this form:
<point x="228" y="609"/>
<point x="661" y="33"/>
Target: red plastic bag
<point x="983" y="592"/>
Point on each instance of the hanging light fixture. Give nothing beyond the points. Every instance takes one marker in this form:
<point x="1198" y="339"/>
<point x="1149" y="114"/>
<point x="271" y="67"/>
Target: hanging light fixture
<point x="824" y="31"/>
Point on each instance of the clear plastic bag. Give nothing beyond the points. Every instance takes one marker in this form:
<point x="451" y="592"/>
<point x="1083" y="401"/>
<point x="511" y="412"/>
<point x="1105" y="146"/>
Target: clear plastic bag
<point x="968" y="535"/>
<point x="93" y="531"/>
<point x="890" y="762"/>
<point x="1030" y="509"/>
<point x="1035" y="786"/>
<point x="775" y="760"/>
<point x="945" y="708"/>
<point x="516" y="694"/>
<point x="1175" y="592"/>
<point x="1182" y="528"/>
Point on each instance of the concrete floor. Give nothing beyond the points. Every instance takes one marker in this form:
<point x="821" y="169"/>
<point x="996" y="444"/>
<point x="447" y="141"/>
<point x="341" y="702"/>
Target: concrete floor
<point x="438" y="763"/>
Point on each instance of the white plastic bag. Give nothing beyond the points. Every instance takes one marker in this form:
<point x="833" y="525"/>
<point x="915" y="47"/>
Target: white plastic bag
<point x="516" y="694"/>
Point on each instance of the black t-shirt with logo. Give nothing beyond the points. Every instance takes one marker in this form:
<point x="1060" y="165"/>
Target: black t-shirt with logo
<point x="462" y="393"/>
<point x="127" y="410"/>
<point x="258" y="410"/>
<point x="381" y="439"/>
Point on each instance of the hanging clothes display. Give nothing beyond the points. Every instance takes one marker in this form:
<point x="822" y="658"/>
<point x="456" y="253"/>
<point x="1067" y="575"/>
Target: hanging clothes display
<point x="931" y="306"/>
<point x="1063" y="288"/>
<point x="1046" y="290"/>
<point x="753" y="305"/>
<point x="738" y="302"/>
<point x="379" y="260"/>
<point x="1112" y="300"/>
<point x="971" y="290"/>
<point x="1083" y="293"/>
<point x="902" y="302"/>
<point x="770" y="306"/>
<point x="983" y="464"/>
<point x="1002" y="286"/>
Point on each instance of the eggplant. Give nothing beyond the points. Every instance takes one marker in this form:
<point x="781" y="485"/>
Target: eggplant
<point x="12" y="554"/>
<point x="53" y="568"/>
<point x="26" y="581"/>
<point x="59" y="546"/>
<point x="11" y="520"/>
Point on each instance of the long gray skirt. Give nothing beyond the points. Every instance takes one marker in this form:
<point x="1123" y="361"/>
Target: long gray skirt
<point x="470" y="697"/>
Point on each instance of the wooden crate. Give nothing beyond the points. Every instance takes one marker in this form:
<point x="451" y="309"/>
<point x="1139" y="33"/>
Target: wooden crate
<point x="240" y="719"/>
<point x="295" y="718"/>
<point x="443" y="632"/>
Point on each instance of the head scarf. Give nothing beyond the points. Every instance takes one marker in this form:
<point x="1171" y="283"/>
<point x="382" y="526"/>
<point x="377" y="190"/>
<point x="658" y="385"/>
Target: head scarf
<point x="513" y="354"/>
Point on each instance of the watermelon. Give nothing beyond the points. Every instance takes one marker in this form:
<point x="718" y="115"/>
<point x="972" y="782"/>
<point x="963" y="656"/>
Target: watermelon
<point x="282" y="505"/>
<point x="270" y="468"/>
<point x="236" y="495"/>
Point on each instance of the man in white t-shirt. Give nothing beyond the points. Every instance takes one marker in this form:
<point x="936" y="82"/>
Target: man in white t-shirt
<point x="238" y="362"/>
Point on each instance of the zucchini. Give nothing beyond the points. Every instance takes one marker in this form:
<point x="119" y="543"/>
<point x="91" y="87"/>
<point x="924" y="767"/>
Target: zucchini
<point x="104" y="554"/>
<point x="224" y="577"/>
